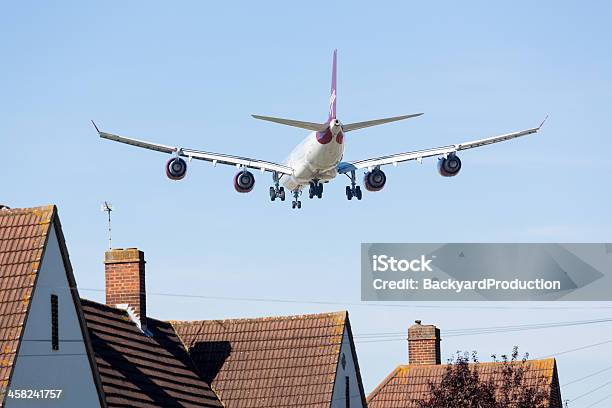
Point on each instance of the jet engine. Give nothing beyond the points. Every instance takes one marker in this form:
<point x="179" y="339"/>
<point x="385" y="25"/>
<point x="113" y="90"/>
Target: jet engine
<point x="244" y="181"/>
<point x="449" y="166"/>
<point x="176" y="168"/>
<point x="374" y="180"/>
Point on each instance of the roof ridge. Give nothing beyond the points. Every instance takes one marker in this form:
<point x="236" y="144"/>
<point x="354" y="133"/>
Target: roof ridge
<point x="339" y="314"/>
<point x="25" y="210"/>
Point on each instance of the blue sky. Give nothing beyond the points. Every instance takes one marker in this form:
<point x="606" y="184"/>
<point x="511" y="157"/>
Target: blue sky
<point x="191" y="73"/>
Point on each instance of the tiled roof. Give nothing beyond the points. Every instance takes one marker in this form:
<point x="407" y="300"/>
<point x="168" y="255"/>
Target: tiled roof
<point x="407" y="384"/>
<point x="268" y="362"/>
<point x="23" y="234"/>
<point x="137" y="370"/>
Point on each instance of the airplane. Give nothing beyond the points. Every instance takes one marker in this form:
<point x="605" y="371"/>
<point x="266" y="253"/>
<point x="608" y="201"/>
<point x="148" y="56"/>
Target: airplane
<point x="318" y="158"/>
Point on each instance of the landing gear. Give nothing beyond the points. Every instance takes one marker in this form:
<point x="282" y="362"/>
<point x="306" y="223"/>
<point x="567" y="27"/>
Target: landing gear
<point x="353" y="190"/>
<point x="276" y="191"/>
<point x="356" y="192"/>
<point x="315" y="190"/>
<point x="296" y="203"/>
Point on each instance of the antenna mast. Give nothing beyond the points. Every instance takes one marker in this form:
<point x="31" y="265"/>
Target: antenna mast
<point x="108" y="208"/>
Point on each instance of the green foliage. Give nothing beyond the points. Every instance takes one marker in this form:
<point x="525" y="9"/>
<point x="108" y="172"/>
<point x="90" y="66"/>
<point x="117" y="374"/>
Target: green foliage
<point x="508" y="384"/>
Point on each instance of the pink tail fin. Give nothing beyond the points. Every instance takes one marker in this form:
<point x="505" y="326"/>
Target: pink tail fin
<point x="332" y="98"/>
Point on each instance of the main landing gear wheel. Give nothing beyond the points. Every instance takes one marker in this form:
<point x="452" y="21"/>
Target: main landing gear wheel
<point x="353" y="190"/>
<point x="315" y="189"/>
<point x="276" y="191"/>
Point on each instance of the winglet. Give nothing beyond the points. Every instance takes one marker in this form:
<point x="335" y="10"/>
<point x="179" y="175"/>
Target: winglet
<point x="94" y="123"/>
<point x="541" y="124"/>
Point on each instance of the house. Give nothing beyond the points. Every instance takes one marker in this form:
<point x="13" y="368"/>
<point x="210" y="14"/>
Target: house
<point x="42" y="330"/>
<point x="115" y="355"/>
<point x="409" y="383"/>
<point x="306" y="360"/>
<point x="89" y="354"/>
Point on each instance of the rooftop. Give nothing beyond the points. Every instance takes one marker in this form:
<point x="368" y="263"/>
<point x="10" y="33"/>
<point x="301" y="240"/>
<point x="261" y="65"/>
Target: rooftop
<point x="23" y="235"/>
<point x="271" y="361"/>
<point x="140" y="370"/>
<point x="408" y="384"/>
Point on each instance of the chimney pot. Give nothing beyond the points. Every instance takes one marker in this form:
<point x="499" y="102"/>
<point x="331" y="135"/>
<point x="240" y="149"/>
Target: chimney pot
<point x="125" y="269"/>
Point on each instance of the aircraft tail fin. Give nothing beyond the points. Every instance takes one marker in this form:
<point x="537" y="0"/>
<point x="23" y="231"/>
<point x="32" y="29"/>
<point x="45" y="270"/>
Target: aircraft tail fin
<point x="316" y="127"/>
<point x="332" y="97"/>
<point x="360" y="125"/>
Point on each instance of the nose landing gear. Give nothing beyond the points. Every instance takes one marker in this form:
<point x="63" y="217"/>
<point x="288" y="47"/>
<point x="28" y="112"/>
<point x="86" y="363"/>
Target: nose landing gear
<point x="353" y="190"/>
<point x="296" y="203"/>
<point x="316" y="189"/>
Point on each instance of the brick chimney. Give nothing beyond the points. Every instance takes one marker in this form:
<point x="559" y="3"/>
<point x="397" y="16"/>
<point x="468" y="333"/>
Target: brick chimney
<point x="125" y="282"/>
<point x="423" y="344"/>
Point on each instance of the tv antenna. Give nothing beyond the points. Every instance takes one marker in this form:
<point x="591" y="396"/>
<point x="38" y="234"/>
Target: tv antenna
<point x="108" y="208"/>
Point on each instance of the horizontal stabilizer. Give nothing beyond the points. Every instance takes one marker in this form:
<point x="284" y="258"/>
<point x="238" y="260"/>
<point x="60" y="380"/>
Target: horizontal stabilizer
<point x="360" y="125"/>
<point x="316" y="127"/>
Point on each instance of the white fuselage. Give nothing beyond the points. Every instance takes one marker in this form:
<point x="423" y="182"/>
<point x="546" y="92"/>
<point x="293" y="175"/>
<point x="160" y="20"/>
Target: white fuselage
<point x="314" y="160"/>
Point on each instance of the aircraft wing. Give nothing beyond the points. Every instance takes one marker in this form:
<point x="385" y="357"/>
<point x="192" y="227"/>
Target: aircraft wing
<point x="215" y="158"/>
<point x="437" y="151"/>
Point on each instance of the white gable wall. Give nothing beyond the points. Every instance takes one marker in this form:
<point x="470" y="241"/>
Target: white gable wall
<point x="37" y="366"/>
<point x="350" y="370"/>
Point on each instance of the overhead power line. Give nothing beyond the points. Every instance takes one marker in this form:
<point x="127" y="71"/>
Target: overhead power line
<point x="592" y="390"/>
<point x="598" y="401"/>
<point x="587" y="376"/>
<point x="374" y="304"/>
<point x="391" y="336"/>
<point x="384" y="337"/>
<point x="588" y="346"/>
